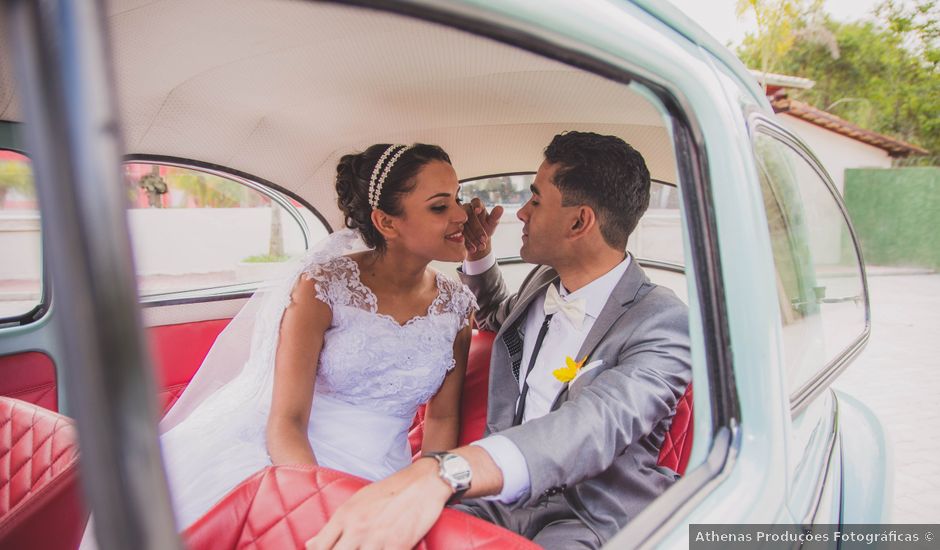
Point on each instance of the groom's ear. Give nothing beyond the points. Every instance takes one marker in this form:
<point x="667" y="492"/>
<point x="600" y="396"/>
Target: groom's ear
<point x="584" y="222"/>
<point x="384" y="223"/>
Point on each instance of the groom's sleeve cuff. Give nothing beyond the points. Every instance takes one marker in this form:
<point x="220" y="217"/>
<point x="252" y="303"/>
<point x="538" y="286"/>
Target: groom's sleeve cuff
<point x="475" y="267"/>
<point x="511" y="462"/>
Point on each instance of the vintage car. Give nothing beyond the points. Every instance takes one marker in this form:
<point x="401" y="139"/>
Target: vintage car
<point x="229" y="118"/>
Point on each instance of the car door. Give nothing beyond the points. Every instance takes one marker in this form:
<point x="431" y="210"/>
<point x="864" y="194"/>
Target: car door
<point x="28" y="353"/>
<point x="824" y="313"/>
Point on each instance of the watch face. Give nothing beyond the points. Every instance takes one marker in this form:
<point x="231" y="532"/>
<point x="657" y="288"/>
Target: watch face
<point x="457" y="470"/>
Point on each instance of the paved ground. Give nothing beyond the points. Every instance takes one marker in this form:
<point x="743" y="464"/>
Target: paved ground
<point x="898" y="376"/>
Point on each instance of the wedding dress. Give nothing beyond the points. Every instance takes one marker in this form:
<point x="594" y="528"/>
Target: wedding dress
<point x="373" y="374"/>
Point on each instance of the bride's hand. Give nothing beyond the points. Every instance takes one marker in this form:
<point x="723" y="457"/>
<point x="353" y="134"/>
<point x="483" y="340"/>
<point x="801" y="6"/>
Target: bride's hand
<point x="479" y="227"/>
<point x="395" y="512"/>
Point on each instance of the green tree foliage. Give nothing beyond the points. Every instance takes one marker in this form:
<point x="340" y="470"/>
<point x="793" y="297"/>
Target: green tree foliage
<point x="882" y="74"/>
<point x="15" y="176"/>
<point x="208" y="191"/>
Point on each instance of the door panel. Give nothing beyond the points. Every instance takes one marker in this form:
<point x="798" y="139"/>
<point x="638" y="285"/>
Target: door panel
<point x="30" y="377"/>
<point x="178" y="350"/>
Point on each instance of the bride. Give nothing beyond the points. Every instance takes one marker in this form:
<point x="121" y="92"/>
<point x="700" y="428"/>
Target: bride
<point x="344" y="353"/>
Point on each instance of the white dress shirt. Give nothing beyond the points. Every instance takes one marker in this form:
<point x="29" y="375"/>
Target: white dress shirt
<point x="562" y="340"/>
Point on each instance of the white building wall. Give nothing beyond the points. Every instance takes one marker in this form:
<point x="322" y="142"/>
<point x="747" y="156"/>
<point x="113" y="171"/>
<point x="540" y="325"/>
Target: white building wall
<point x="835" y="151"/>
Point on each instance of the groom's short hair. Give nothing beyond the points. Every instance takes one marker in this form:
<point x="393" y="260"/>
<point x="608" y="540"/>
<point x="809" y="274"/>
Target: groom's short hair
<point x="605" y="173"/>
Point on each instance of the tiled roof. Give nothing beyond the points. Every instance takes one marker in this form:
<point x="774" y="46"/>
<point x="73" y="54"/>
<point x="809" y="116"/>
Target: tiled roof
<point x="895" y="147"/>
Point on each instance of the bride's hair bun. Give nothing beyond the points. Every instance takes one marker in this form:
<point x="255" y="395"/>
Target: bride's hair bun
<point x="352" y="185"/>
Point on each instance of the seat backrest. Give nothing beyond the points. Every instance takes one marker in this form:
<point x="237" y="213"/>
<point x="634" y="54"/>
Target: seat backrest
<point x="40" y="500"/>
<point x="677" y="445"/>
<point x="674" y="453"/>
<point x="284" y="506"/>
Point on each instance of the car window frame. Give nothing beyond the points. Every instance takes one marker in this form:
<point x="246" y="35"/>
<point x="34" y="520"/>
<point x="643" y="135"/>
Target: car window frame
<point x="801" y="397"/>
<point x="45" y="285"/>
<point x="280" y="195"/>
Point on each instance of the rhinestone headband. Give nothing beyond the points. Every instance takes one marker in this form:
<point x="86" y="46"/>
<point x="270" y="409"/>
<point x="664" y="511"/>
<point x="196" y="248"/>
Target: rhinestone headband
<point x="378" y="179"/>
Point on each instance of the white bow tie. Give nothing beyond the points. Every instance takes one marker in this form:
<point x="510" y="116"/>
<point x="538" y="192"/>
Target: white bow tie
<point x="573" y="310"/>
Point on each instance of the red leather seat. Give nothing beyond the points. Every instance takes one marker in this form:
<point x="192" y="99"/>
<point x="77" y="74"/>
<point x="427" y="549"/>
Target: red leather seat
<point x="282" y="507"/>
<point x="677" y="445"/>
<point x="40" y="500"/>
<point x="473" y="403"/>
<point x="674" y="454"/>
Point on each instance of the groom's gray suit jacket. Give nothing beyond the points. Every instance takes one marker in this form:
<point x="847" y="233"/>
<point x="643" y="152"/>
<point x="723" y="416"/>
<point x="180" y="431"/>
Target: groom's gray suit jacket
<point x="599" y="446"/>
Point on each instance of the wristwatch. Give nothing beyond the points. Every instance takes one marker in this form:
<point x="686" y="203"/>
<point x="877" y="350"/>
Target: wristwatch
<point x="454" y="470"/>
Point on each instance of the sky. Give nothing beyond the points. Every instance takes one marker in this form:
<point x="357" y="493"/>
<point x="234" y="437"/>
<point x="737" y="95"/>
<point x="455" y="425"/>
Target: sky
<point x="717" y="16"/>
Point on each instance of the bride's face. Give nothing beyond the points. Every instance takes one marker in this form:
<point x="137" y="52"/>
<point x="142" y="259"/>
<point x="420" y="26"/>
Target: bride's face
<point x="431" y="223"/>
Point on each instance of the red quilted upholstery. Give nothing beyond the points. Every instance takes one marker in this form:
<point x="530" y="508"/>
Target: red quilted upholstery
<point x="677" y="446"/>
<point x="674" y="453"/>
<point x="475" y="388"/>
<point x="282" y="507"/>
<point x="30" y="377"/>
<point x="178" y="350"/>
<point x="38" y="479"/>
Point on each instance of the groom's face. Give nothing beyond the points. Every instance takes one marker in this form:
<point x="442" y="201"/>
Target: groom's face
<point x="545" y="221"/>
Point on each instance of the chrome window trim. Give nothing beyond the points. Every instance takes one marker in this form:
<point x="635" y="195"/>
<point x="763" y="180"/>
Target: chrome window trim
<point x="812" y="515"/>
<point x="813" y="386"/>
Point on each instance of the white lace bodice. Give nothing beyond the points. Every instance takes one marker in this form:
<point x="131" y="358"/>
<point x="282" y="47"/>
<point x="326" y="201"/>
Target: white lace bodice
<point x="373" y="374"/>
<point x="371" y="361"/>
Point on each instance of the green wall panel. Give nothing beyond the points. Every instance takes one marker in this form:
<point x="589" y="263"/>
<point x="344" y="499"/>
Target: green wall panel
<point x="896" y="213"/>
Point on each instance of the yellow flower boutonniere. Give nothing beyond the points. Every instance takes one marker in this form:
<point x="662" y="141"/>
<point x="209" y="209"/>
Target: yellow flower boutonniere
<point x="569" y="371"/>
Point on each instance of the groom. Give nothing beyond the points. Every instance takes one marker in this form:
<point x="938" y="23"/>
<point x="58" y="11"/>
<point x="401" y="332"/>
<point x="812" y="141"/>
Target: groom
<point x="587" y="367"/>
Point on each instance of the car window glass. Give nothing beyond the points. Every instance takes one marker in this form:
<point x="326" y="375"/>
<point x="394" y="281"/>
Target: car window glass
<point x="20" y="240"/>
<point x="818" y="272"/>
<point x="657" y="237"/>
<point x="192" y="229"/>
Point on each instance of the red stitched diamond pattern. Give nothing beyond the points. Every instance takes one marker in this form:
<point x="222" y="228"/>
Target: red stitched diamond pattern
<point x="41" y="445"/>
<point x="674" y="453"/>
<point x="287" y="505"/>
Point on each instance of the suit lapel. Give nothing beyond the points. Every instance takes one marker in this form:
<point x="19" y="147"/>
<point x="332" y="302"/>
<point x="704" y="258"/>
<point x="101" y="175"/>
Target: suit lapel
<point x="621" y="299"/>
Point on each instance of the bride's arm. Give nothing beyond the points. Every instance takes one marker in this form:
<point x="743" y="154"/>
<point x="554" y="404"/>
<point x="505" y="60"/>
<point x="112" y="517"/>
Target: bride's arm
<point x="442" y="416"/>
<point x="305" y="321"/>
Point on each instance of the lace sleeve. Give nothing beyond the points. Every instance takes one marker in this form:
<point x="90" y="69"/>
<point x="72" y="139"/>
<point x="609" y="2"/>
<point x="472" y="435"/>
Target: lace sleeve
<point x="460" y="301"/>
<point x="324" y="279"/>
<point x="337" y="283"/>
<point x="470" y="304"/>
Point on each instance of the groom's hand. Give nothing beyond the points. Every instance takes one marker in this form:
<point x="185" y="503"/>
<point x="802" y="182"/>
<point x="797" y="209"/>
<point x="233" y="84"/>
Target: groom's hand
<point x="479" y="228"/>
<point x="399" y="510"/>
<point x="395" y="512"/>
